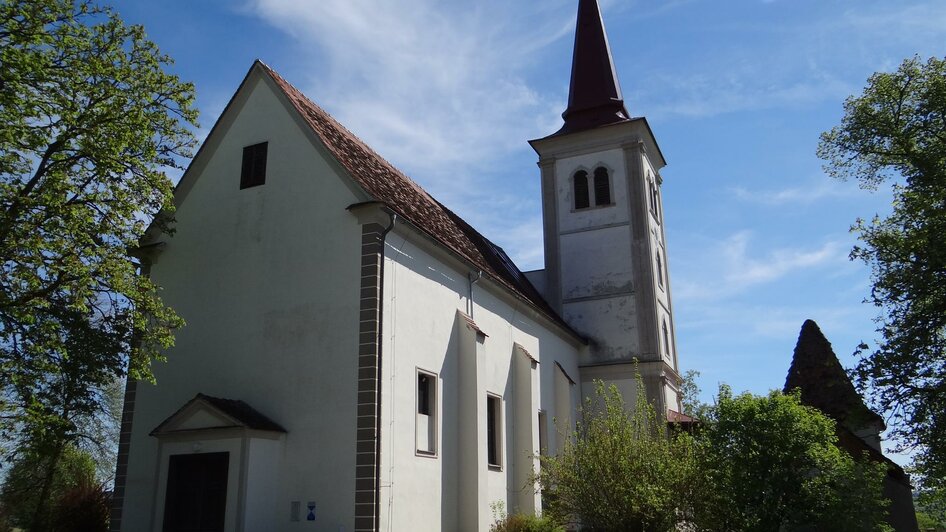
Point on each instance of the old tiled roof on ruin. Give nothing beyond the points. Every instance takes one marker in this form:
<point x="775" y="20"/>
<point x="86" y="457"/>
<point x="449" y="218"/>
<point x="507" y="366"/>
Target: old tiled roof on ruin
<point x="824" y="385"/>
<point x="385" y="183"/>
<point x="823" y="382"/>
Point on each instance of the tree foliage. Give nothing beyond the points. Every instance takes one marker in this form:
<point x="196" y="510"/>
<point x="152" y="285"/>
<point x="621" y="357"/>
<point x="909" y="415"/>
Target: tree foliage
<point x="90" y="121"/>
<point x="770" y="463"/>
<point x="931" y="506"/>
<point x="754" y="464"/>
<point x="621" y="470"/>
<point x="690" y="391"/>
<point x="20" y="494"/>
<point x="505" y="522"/>
<point x="896" y="131"/>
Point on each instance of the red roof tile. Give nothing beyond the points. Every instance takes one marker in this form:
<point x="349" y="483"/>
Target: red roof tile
<point x="385" y="183"/>
<point x="677" y="417"/>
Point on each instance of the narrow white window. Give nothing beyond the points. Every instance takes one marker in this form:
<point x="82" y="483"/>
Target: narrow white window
<point x="660" y="270"/>
<point x="426" y="425"/>
<point x="666" y="339"/>
<point x="494" y="431"/>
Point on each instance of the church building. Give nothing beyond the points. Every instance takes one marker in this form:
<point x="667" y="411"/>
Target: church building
<point x="359" y="358"/>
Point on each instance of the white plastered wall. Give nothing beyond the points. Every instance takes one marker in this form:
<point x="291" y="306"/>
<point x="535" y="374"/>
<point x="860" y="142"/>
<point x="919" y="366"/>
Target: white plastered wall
<point x="423" y="290"/>
<point x="596" y="258"/>
<point x="267" y="279"/>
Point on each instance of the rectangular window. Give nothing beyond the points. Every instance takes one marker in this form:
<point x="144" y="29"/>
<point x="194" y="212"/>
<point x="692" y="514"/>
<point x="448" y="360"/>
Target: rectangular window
<point x="494" y="431"/>
<point x="254" y="165"/>
<point x="426" y="423"/>
<point x="543" y="433"/>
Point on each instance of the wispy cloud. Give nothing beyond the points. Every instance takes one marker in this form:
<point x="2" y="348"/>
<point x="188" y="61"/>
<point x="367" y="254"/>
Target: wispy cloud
<point x="731" y="266"/>
<point x="818" y="191"/>
<point x="431" y="84"/>
<point x="793" y="61"/>
<point x="895" y="19"/>
<point x="748" y="87"/>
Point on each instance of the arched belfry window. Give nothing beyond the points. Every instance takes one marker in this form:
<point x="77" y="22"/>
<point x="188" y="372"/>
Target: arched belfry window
<point x="602" y="187"/>
<point x="581" y="190"/>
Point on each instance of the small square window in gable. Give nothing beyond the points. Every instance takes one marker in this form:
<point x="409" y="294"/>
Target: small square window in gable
<point x="254" y="165"/>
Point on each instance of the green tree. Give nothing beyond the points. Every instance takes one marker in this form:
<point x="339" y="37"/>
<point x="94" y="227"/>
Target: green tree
<point x="622" y="470"/>
<point x="690" y="396"/>
<point x="21" y="491"/>
<point x="90" y="121"/>
<point x="770" y="463"/>
<point x="931" y="505"/>
<point x="896" y="131"/>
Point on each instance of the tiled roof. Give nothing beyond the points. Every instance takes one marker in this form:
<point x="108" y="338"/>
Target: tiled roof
<point x="677" y="417"/>
<point x="824" y="383"/>
<point x="243" y="414"/>
<point x="385" y="183"/>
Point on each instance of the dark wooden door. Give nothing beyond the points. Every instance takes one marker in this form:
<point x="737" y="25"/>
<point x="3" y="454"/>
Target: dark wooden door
<point x="196" y="499"/>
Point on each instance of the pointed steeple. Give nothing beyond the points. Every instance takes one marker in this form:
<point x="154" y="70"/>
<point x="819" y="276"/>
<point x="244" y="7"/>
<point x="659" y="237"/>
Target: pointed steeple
<point x="594" y="97"/>
<point x="823" y="382"/>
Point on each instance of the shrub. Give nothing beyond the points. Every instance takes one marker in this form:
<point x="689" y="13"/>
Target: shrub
<point x="622" y="470"/>
<point x="521" y="522"/>
<point x="82" y="508"/>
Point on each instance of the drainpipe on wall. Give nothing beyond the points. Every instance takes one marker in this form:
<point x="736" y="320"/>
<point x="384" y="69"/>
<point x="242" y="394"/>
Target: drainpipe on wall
<point x="479" y="275"/>
<point x="377" y="474"/>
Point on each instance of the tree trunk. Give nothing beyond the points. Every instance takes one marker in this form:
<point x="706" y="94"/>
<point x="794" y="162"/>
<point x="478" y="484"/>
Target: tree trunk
<point x="42" y="506"/>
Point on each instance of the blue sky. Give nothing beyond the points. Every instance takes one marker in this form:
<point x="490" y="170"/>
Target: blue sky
<point x="736" y="91"/>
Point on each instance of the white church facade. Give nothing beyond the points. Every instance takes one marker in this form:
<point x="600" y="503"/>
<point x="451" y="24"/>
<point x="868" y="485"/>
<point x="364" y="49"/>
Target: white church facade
<point x="356" y="356"/>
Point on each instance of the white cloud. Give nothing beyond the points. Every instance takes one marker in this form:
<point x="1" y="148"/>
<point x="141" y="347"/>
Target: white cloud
<point x="898" y="20"/>
<point x="428" y="84"/>
<point x="799" y="62"/>
<point x="769" y="320"/>
<point x="746" y="87"/>
<point x="821" y="190"/>
<point x="728" y="267"/>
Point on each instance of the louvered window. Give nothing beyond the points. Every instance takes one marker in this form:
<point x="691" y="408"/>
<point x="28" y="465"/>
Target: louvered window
<point x="581" y="190"/>
<point x="254" y="165"/>
<point x="602" y="187"/>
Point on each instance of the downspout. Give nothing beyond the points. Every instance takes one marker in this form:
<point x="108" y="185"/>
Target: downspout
<point x="378" y="380"/>
<point x="479" y="275"/>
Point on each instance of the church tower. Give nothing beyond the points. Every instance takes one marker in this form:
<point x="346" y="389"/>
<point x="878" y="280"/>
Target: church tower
<point x="605" y="251"/>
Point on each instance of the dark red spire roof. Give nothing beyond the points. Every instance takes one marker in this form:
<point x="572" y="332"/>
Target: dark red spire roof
<point x="594" y="98"/>
<point x="823" y="382"/>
